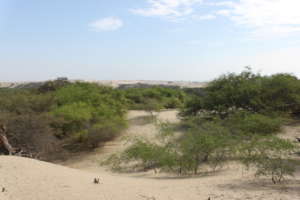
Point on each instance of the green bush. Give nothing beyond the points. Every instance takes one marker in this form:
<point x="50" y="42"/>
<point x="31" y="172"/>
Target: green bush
<point x="143" y="98"/>
<point x="269" y="156"/>
<point x="24" y="101"/>
<point x="250" y="92"/>
<point x="253" y="123"/>
<point x="204" y="143"/>
<point x="104" y="131"/>
<point x="90" y="113"/>
<point x="209" y="144"/>
<point x="63" y="114"/>
<point x="32" y="133"/>
<point x="51" y="86"/>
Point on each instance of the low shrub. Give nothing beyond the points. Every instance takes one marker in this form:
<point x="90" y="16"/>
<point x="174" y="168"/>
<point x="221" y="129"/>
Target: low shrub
<point x="254" y="123"/>
<point x="183" y="154"/>
<point x="157" y="97"/>
<point x="268" y="155"/>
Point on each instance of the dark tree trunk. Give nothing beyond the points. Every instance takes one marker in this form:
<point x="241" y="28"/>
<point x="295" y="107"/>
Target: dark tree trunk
<point x="4" y="143"/>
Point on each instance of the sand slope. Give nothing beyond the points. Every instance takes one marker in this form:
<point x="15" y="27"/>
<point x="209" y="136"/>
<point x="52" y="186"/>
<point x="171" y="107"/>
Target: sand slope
<point x="27" y="179"/>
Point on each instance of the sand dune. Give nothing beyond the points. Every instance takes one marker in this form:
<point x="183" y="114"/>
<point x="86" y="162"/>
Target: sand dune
<point x="112" y="83"/>
<point x="27" y="179"/>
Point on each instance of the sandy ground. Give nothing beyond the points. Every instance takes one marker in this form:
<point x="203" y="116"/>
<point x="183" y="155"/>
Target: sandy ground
<point x="26" y="179"/>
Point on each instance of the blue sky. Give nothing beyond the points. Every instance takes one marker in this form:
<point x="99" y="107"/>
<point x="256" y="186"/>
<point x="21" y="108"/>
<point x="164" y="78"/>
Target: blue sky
<point x="194" y="40"/>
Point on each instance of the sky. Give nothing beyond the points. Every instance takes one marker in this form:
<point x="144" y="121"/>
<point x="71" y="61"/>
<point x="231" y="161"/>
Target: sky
<point x="190" y="40"/>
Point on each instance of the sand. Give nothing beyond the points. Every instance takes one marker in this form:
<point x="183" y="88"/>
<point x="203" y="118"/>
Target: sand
<point x="27" y="179"/>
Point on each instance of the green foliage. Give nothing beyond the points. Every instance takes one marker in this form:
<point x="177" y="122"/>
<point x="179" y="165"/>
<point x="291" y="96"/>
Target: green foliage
<point x="276" y="168"/>
<point x="149" y="154"/>
<point x="51" y="86"/>
<point x="77" y="112"/>
<point x="32" y="133"/>
<point x="247" y="123"/>
<point x="154" y="98"/>
<point x="60" y="114"/>
<point x="24" y="101"/>
<point x="248" y="91"/>
<point x="25" y="114"/>
<point x="211" y="140"/>
<point x="207" y="144"/>
<point x="269" y="156"/>
<point x="90" y="113"/>
<point x="105" y="130"/>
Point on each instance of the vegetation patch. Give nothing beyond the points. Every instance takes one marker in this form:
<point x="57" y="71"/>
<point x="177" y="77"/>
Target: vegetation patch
<point x="61" y="115"/>
<point x="235" y="118"/>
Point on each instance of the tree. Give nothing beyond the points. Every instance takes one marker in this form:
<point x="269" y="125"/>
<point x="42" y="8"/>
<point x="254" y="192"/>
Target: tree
<point x="4" y="141"/>
<point x="269" y="155"/>
<point x="250" y="92"/>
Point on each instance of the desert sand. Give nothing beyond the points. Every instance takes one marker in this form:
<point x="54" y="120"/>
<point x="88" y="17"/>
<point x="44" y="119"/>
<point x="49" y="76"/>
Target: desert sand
<point x="112" y="83"/>
<point x="27" y="179"/>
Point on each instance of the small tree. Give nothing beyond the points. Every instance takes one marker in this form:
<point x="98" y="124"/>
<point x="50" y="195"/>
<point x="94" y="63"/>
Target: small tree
<point x="269" y="157"/>
<point x="250" y="92"/>
<point x="209" y="144"/>
<point x="203" y="144"/>
<point x="152" y="106"/>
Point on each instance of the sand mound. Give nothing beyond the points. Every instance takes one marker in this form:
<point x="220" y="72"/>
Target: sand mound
<point x="27" y="179"/>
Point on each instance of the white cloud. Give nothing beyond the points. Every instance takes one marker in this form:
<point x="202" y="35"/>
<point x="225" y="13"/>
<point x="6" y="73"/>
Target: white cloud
<point x="220" y="3"/>
<point x="223" y="12"/>
<point x="168" y="8"/>
<point x="106" y="24"/>
<point x="259" y="17"/>
<point x="264" y="16"/>
<point x="204" y="17"/>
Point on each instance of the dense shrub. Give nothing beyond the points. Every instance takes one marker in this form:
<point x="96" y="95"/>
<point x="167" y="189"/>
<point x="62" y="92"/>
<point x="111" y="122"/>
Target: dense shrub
<point x="24" y="101"/>
<point x="90" y="113"/>
<point x="25" y="114"/>
<point x="154" y="97"/>
<point x="51" y="86"/>
<point x="32" y="134"/>
<point x="250" y="92"/>
<point x="247" y="123"/>
<point x="59" y="114"/>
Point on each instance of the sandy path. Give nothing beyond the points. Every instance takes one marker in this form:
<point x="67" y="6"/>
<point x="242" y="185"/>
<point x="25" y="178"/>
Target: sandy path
<point x="26" y="179"/>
